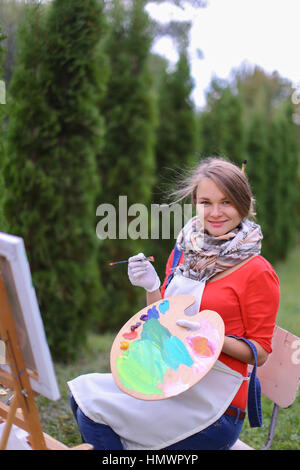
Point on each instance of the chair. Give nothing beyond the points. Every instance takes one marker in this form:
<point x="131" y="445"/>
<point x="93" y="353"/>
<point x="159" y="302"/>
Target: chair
<point x="279" y="378"/>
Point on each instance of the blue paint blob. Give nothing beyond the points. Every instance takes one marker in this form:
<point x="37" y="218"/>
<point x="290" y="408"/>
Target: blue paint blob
<point x="152" y="312"/>
<point x="173" y="350"/>
<point x="175" y="353"/>
<point x="164" y="306"/>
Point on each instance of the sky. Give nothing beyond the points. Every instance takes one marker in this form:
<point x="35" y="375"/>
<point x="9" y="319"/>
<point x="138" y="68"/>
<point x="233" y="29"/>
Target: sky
<point x="232" y="32"/>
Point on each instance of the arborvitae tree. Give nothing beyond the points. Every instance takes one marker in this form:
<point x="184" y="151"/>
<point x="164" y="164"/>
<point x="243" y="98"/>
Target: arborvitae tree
<point x="221" y="126"/>
<point x="176" y="134"/>
<point x="176" y="143"/>
<point x="257" y="164"/>
<point x="261" y="92"/>
<point x="266" y="99"/>
<point x="274" y="230"/>
<point x="2" y="97"/>
<point x="127" y="162"/>
<point x="272" y="170"/>
<point x="3" y="223"/>
<point x="55" y="132"/>
<point x="289" y="167"/>
<point x="2" y="37"/>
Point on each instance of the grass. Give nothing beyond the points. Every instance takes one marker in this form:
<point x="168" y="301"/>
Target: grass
<point x="57" y="419"/>
<point x="289" y="309"/>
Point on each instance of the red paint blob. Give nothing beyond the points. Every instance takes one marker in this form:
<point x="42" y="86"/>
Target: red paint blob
<point x="131" y="335"/>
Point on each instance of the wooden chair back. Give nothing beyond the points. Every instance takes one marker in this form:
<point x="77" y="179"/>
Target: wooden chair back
<point x="279" y="378"/>
<point x="280" y="375"/>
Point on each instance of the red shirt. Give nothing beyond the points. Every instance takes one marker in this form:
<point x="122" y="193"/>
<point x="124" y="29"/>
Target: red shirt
<point x="247" y="300"/>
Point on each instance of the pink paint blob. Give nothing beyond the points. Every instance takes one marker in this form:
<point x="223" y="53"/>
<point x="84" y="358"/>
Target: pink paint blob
<point x="200" y="345"/>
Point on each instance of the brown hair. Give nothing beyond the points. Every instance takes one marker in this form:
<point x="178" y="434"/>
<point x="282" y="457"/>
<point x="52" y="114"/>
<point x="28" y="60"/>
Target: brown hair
<point x="227" y="176"/>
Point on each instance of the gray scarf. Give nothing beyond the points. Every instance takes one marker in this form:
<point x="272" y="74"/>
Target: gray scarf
<point x="206" y="255"/>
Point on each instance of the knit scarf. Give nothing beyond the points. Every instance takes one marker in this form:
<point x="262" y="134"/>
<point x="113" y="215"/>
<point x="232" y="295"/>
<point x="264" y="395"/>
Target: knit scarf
<point x="206" y="255"/>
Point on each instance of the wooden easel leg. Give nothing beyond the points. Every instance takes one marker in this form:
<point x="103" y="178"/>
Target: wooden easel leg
<point x="9" y="422"/>
<point x="21" y="383"/>
<point x="25" y="398"/>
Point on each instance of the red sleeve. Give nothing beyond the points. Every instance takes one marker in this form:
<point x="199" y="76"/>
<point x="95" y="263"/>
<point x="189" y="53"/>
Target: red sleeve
<point x="259" y="306"/>
<point x="168" y="271"/>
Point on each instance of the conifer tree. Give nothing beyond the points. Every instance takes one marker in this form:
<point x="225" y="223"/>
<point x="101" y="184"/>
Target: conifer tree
<point x="126" y="164"/>
<point x="2" y="104"/>
<point x="257" y="164"/>
<point x="176" y="142"/>
<point x="289" y="168"/>
<point x="3" y="223"/>
<point x="55" y="133"/>
<point x="176" y="133"/>
<point x="221" y="126"/>
<point x="274" y="230"/>
<point x="2" y="37"/>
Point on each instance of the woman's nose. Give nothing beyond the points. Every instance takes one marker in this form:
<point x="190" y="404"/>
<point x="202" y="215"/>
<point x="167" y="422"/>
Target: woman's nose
<point x="216" y="210"/>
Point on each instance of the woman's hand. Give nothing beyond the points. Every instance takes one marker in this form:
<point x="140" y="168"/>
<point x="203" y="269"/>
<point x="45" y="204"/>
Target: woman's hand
<point x="141" y="273"/>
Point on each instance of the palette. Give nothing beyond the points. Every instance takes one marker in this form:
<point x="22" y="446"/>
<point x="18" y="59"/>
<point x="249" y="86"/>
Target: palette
<point x="153" y="358"/>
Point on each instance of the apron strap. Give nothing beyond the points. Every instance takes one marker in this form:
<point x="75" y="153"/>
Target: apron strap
<point x="176" y="257"/>
<point x="254" y="392"/>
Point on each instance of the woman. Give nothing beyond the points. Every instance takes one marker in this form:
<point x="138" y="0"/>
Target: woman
<point x="222" y="267"/>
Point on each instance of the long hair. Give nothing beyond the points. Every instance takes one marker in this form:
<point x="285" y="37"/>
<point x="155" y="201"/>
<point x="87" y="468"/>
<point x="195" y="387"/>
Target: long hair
<point x="227" y="176"/>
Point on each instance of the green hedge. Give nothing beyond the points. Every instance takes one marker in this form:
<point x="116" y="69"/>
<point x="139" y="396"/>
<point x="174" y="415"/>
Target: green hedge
<point x="55" y="133"/>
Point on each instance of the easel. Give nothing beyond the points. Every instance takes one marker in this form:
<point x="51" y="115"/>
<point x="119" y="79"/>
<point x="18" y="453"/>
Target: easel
<point x="23" y="410"/>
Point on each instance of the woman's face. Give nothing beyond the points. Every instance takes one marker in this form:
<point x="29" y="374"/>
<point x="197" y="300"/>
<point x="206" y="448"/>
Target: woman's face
<point x="220" y="216"/>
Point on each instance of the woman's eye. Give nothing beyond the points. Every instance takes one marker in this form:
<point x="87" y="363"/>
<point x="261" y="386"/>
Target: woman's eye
<point x="207" y="202"/>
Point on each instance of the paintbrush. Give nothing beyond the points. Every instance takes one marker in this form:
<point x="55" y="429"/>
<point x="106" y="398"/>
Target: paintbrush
<point x="150" y="258"/>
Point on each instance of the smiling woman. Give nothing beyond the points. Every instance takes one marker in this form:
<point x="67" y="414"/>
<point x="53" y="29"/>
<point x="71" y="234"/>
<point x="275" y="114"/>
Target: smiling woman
<point x="209" y="415"/>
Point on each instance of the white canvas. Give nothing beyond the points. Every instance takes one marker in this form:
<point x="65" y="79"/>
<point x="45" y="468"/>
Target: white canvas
<point x="15" y="271"/>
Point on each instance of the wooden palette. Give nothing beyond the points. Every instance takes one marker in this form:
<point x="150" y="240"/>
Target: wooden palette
<point x="153" y="358"/>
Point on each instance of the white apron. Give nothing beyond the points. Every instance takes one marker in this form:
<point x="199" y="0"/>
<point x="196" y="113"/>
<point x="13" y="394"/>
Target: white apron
<point x="183" y="285"/>
<point x="152" y="425"/>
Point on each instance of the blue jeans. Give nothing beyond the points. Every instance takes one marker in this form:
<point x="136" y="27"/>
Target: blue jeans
<point x="220" y="435"/>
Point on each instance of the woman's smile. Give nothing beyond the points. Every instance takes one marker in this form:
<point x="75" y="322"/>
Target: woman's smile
<point x="217" y="223"/>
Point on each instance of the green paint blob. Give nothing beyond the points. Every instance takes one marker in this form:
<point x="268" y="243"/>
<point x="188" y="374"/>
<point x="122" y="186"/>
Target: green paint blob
<point x="141" y="369"/>
<point x="143" y="366"/>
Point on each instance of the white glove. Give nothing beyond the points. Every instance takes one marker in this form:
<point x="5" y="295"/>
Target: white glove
<point x="190" y="325"/>
<point x="142" y="273"/>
